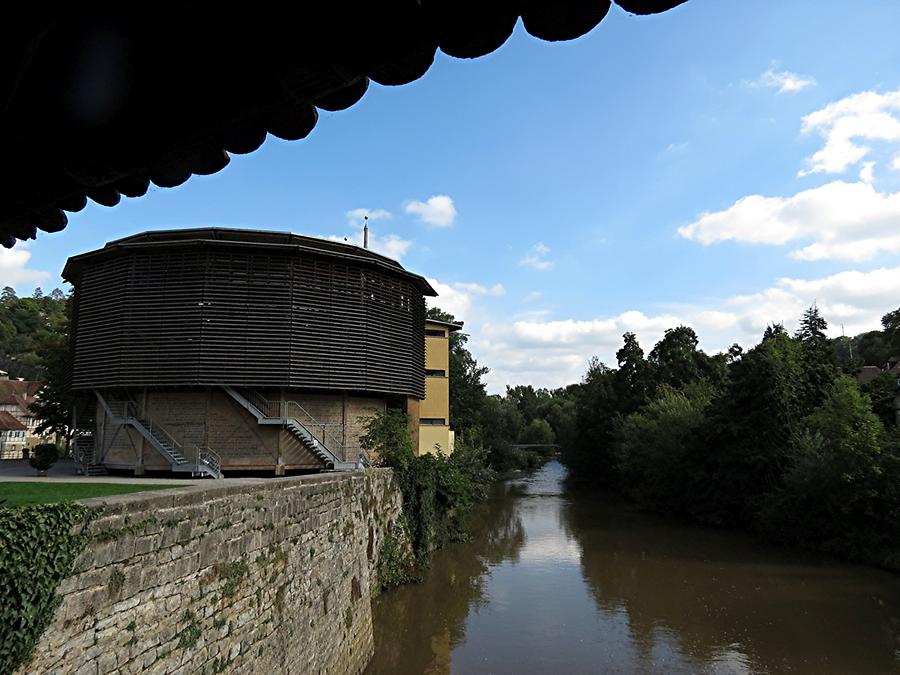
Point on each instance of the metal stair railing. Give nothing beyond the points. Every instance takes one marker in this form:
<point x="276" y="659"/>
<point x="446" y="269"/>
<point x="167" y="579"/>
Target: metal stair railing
<point x="325" y="442"/>
<point x="209" y="457"/>
<point x="126" y="413"/>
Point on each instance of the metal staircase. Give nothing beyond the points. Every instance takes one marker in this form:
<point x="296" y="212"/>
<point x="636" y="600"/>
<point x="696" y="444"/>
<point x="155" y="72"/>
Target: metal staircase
<point x="317" y="437"/>
<point x="198" y="461"/>
<point x="83" y="453"/>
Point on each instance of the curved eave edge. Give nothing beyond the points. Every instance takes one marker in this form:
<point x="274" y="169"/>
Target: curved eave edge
<point x="558" y="22"/>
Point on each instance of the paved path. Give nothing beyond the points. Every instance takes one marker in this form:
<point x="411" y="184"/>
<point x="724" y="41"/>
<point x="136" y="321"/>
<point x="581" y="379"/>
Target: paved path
<point x="64" y="470"/>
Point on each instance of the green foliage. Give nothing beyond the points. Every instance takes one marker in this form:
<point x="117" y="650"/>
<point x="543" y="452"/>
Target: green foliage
<point x="38" y="546"/>
<point x="438" y="491"/>
<point x="538" y="432"/>
<point x="775" y="439"/>
<point x="657" y="443"/>
<point x="396" y="565"/>
<point x="190" y="634"/>
<point x="26" y="324"/>
<point x="882" y="391"/>
<point x="388" y="436"/>
<point x="233" y="573"/>
<point x="44" y="456"/>
<point x="832" y="496"/>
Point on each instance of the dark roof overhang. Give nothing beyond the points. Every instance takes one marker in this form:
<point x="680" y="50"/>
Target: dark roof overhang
<point x="98" y="101"/>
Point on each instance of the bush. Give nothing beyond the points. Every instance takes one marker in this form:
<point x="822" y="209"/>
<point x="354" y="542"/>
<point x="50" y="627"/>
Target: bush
<point x="835" y="496"/>
<point x="655" y="445"/>
<point x="44" y="456"/>
<point x="438" y="490"/>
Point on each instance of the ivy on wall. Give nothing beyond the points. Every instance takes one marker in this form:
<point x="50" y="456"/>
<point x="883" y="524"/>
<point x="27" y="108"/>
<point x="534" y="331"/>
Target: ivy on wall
<point x="38" y="547"/>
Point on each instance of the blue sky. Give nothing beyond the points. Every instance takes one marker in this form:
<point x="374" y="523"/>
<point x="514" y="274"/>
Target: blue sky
<point x="682" y="168"/>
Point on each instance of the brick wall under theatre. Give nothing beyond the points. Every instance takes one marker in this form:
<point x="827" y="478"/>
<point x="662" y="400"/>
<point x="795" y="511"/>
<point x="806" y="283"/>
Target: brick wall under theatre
<point x="211" y="418"/>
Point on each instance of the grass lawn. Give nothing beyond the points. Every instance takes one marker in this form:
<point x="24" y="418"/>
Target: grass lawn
<point x="20" y="493"/>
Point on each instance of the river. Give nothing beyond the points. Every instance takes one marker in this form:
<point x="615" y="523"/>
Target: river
<point x="569" y="581"/>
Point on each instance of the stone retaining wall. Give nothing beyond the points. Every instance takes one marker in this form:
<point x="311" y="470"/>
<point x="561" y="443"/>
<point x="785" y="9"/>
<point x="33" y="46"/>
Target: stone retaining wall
<point x="263" y="577"/>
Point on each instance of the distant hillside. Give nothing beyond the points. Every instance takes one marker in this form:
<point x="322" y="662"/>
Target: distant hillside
<point x="25" y="325"/>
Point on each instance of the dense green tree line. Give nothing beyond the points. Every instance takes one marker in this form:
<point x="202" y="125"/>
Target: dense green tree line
<point x="34" y="343"/>
<point x="780" y="439"/>
<point x="28" y="324"/>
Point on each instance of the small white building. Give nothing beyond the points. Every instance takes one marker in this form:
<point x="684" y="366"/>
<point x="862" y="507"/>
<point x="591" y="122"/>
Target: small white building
<point x="12" y="436"/>
<point x="16" y="399"/>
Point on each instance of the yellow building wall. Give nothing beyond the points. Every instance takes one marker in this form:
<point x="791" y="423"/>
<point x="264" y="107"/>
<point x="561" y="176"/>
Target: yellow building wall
<point x="437" y="398"/>
<point x="437" y="353"/>
<point x="436" y="404"/>
<point x="431" y="435"/>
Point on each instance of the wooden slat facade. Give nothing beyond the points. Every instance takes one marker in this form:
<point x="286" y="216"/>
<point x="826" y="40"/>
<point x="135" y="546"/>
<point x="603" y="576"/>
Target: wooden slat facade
<point x="212" y="313"/>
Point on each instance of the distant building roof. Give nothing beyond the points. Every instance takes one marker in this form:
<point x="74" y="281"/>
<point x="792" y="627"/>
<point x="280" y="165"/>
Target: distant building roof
<point x="10" y="423"/>
<point x="868" y="373"/>
<point x="452" y="327"/>
<point x="24" y="389"/>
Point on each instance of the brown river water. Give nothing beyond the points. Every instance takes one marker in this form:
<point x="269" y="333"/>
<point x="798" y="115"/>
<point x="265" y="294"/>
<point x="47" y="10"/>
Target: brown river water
<point x="567" y="581"/>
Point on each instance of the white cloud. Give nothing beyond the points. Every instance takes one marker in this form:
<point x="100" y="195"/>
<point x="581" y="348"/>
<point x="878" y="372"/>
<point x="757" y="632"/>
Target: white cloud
<point x="478" y="289"/>
<point x="437" y="210"/>
<point x="14" y="270"/>
<point x="390" y="245"/>
<point x="534" y="295"/>
<point x="456" y="301"/>
<point x="864" y="116"/>
<point x="356" y="216"/>
<point x="867" y="173"/>
<point x="553" y="353"/>
<point x="784" y="81"/>
<point x="537" y="257"/>
<point x="844" y="221"/>
<point x="676" y="148"/>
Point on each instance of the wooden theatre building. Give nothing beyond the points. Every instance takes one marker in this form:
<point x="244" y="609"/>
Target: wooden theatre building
<point x="209" y="350"/>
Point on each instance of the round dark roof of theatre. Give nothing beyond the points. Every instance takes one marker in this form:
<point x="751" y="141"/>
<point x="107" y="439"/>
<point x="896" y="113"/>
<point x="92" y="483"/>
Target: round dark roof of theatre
<point x="99" y="101"/>
<point x="247" y="240"/>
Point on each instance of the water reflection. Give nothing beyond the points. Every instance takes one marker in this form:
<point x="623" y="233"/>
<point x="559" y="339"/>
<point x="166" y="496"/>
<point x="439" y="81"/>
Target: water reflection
<point x="569" y="582"/>
<point x="416" y="626"/>
<point x="723" y="602"/>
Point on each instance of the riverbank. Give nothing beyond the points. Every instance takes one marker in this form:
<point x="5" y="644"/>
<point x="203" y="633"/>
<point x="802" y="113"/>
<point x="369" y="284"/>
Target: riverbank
<point x="563" y="580"/>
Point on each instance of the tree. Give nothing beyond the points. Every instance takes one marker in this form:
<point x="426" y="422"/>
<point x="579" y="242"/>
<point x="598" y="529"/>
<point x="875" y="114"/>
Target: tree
<point x="590" y="456"/>
<point x="56" y="400"/>
<point x="882" y="391"/>
<point x="676" y="361"/>
<point x="891" y="324"/>
<point x="655" y="446"/>
<point x="7" y="294"/>
<point x="538" y="432"/>
<point x="633" y="380"/>
<point x="773" y="330"/>
<point x="748" y="431"/>
<point x="830" y="493"/>
<point x="817" y="357"/>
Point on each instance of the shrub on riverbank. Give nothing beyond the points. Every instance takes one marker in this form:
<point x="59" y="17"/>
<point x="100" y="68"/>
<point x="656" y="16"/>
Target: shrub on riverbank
<point x="439" y="492"/>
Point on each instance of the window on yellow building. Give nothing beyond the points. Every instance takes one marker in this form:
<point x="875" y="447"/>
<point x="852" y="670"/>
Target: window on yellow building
<point x="437" y="421"/>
